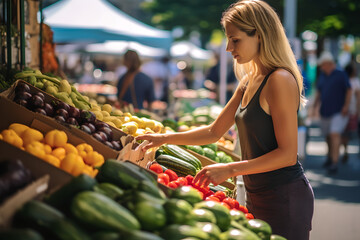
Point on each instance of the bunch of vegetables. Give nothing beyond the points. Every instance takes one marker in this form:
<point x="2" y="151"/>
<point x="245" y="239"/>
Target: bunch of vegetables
<point x="60" y="89"/>
<point x="54" y="149"/>
<point x="63" y="112"/>
<point x="128" y="123"/>
<point x="129" y="205"/>
<point x="169" y="178"/>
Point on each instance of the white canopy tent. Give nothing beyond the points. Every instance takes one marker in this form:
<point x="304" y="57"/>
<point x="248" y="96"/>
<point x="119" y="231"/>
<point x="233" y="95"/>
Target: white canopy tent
<point x="98" y="21"/>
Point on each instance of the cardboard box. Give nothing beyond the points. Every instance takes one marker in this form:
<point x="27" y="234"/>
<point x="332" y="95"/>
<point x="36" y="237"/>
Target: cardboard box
<point x="19" y="114"/>
<point x="16" y="201"/>
<point x="37" y="166"/>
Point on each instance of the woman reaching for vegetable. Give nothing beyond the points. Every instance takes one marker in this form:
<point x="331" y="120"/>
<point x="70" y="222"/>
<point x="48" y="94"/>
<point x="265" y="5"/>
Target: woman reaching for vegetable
<point x="268" y="98"/>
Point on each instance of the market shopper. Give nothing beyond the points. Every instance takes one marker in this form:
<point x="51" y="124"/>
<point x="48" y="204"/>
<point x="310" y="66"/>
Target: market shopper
<point x="333" y="95"/>
<point x="134" y="86"/>
<point x="268" y="96"/>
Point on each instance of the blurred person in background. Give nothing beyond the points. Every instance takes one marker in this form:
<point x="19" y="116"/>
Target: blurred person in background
<point x="163" y="72"/>
<point x="213" y="75"/>
<point x="333" y="95"/>
<point x="354" y="110"/>
<point x="134" y="86"/>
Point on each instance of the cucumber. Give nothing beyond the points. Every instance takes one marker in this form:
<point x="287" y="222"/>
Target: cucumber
<point x="63" y="197"/>
<point x="102" y="212"/>
<point x="110" y="190"/>
<point x="260" y="227"/>
<point x="103" y="235"/>
<point x="137" y="235"/>
<point x="151" y="215"/>
<point x="189" y="194"/>
<point x="65" y="230"/>
<point x="124" y="175"/>
<point x="211" y="229"/>
<point x="150" y="188"/>
<point x="178" y="211"/>
<point x="179" y="232"/>
<point x="38" y="214"/>
<point x="182" y="154"/>
<point x="20" y="234"/>
<point x="177" y="165"/>
<point x="222" y="214"/>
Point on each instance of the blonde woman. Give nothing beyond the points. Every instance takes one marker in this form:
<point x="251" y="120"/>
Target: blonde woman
<point x="269" y="96"/>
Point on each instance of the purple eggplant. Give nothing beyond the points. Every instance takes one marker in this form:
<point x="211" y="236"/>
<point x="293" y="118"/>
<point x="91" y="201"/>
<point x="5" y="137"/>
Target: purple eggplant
<point x="36" y="102"/>
<point x="62" y="112"/>
<point x="48" y="109"/>
<point x="22" y="87"/>
<point x="72" y="121"/>
<point x="60" y="118"/>
<point x="108" y="132"/>
<point x="23" y="95"/>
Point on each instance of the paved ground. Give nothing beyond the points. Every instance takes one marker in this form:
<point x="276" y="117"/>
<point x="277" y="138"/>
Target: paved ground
<point x="337" y="197"/>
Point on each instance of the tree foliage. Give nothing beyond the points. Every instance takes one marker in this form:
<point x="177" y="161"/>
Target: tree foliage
<point x="325" y="17"/>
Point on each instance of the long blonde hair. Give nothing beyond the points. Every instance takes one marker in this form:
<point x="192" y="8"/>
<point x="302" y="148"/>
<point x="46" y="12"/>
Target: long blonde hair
<point x="255" y="16"/>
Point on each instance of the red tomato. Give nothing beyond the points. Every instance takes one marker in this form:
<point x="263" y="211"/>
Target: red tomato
<point x="165" y="177"/>
<point x="172" y="184"/>
<point x="181" y="181"/>
<point x="225" y="205"/>
<point x="155" y="167"/>
<point x="173" y="176"/>
<point x="236" y="204"/>
<point x="249" y="216"/>
<point x="229" y="201"/>
<point x="212" y="198"/>
<point x="160" y="180"/>
<point x="243" y="209"/>
<point x="220" y="195"/>
<point x="189" y="179"/>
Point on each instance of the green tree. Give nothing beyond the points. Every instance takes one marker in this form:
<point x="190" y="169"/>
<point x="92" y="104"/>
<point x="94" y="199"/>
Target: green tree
<point x="325" y="17"/>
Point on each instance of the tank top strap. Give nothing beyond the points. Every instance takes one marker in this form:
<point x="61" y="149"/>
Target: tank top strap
<point x="263" y="83"/>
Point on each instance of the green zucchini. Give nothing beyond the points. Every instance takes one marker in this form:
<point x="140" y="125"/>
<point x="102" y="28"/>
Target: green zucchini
<point x="110" y="190"/>
<point x="20" y="234"/>
<point x="38" y="214"/>
<point x="124" y="175"/>
<point x="63" y="197"/>
<point x="104" y="235"/>
<point x="150" y="188"/>
<point x="102" y="212"/>
<point x="137" y="235"/>
<point x="182" y="154"/>
<point x="63" y="229"/>
<point x="179" y="232"/>
<point x="177" y="165"/>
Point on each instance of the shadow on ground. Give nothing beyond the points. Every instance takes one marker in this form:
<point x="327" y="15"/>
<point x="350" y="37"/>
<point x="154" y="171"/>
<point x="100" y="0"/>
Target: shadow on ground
<point x="344" y="186"/>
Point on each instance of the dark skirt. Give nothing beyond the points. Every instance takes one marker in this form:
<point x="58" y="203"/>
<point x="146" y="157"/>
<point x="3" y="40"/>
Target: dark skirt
<point x="287" y="208"/>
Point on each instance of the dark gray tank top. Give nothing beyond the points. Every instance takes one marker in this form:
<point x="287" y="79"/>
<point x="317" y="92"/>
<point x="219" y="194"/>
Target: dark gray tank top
<point x="257" y="137"/>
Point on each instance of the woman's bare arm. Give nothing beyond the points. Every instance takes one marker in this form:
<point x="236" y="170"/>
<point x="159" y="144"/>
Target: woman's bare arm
<point x="202" y="135"/>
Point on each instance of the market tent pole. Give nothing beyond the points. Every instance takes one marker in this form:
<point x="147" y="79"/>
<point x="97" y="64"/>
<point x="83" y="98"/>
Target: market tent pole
<point x="223" y="74"/>
<point x="22" y="35"/>
<point x="8" y="35"/>
<point x="41" y="30"/>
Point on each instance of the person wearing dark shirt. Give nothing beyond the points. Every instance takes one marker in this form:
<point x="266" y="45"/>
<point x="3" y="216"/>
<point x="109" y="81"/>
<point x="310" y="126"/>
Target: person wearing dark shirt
<point x="333" y="95"/>
<point x="134" y="86"/>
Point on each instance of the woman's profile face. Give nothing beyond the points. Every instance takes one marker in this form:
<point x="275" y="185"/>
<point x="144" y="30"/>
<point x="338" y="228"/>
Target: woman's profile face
<point x="240" y="45"/>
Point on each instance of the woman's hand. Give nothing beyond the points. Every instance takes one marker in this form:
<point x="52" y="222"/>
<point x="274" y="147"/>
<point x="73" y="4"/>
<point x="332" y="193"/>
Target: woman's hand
<point x="215" y="174"/>
<point x="155" y="140"/>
